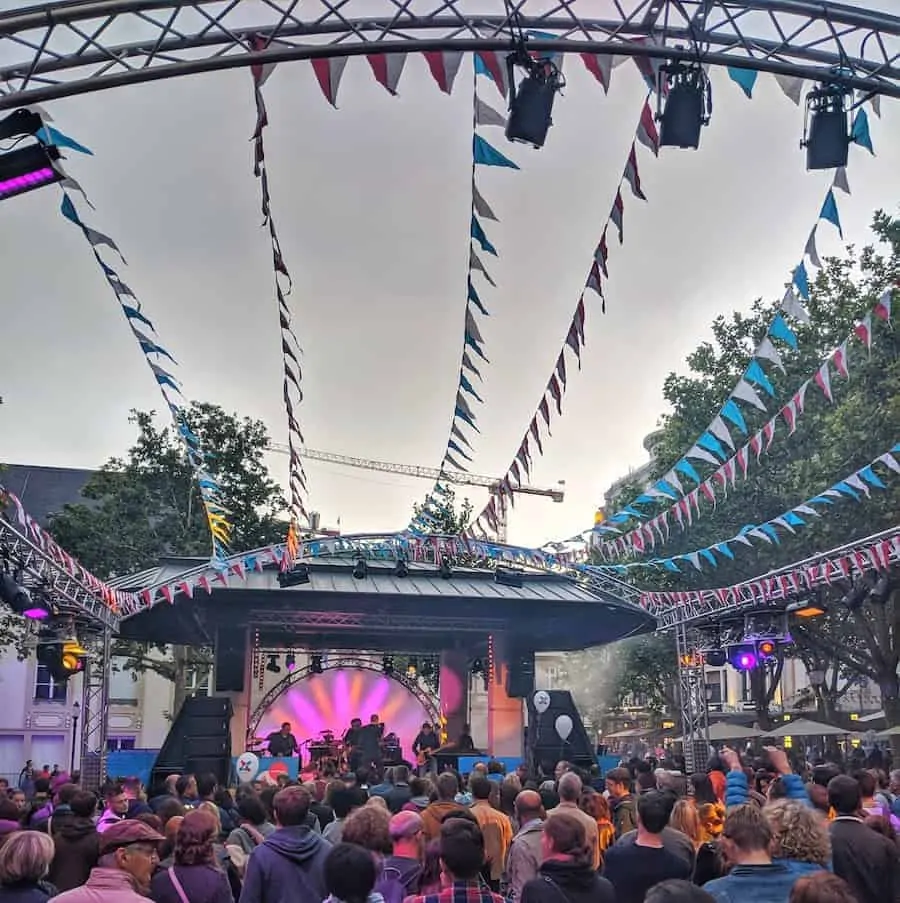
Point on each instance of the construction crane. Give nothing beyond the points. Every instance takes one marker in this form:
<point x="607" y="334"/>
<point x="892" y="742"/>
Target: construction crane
<point x="557" y="493"/>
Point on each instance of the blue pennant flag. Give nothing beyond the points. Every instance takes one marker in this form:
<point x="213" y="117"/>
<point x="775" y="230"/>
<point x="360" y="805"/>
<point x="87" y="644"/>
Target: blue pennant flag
<point x="478" y="235"/>
<point x="821" y="500"/>
<point x="663" y="486"/>
<point x="472" y="342"/>
<point x="466" y="386"/>
<point x="800" y="279"/>
<point x="67" y="208"/>
<point x="859" y="133"/>
<point x="723" y="549"/>
<point x="134" y="314"/>
<point x="685" y="467"/>
<point x="770" y="531"/>
<point x="629" y="509"/>
<point x="746" y="78"/>
<point x="453" y="445"/>
<point x="481" y="68"/>
<point x="670" y="565"/>
<point x="755" y="374"/>
<point x="794" y="519"/>
<point x="711" y="444"/>
<point x="830" y="212"/>
<point x="709" y="557"/>
<point x="473" y="297"/>
<point x="730" y="411"/>
<point x="780" y="330"/>
<point x="149" y="347"/>
<point x="50" y="135"/>
<point x="485" y="154"/>
<point x="644" y="499"/>
<point x="618" y="518"/>
<point x="846" y="489"/>
<point x="871" y="477"/>
<point x="463" y="415"/>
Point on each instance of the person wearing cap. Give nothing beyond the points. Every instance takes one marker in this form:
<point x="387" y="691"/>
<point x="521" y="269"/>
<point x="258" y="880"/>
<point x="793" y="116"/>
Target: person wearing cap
<point x="405" y="863"/>
<point x="128" y="856"/>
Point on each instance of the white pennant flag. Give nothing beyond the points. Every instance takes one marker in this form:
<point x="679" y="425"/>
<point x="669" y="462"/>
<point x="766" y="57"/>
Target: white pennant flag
<point x="791" y="305"/>
<point x="768" y="352"/>
<point x="672" y="479"/>
<point x="805" y="509"/>
<point x="890" y="461"/>
<point x="841" y="181"/>
<point x="476" y="264"/>
<point x="792" y="86"/>
<point x="702" y="454"/>
<point x="485" y="114"/>
<point x="482" y="208"/>
<point x="857" y="482"/>
<point x="720" y="431"/>
<point x="812" y="251"/>
<point x="746" y="392"/>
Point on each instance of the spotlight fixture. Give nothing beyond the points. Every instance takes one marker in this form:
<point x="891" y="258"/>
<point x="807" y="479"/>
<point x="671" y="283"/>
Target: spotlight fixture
<point x="766" y="649"/>
<point x="61" y="657"/>
<point x="806" y="608"/>
<point x="477" y="666"/>
<point x="826" y="130"/>
<point x="445" y="570"/>
<point x="387" y="665"/>
<point x="361" y="569"/>
<point x="743" y="657"/>
<point x="315" y="664"/>
<point x="428" y="669"/>
<point x="296" y="576"/>
<point x="531" y="102"/>
<point x="715" y="658"/>
<point x="856" y="595"/>
<point x="272" y="665"/>
<point x="20" y="600"/>
<point x="28" y="168"/>
<point x="401" y="568"/>
<point x="688" y="104"/>
<point x="879" y="593"/>
<point x="290" y="661"/>
<point x="412" y="667"/>
<point x="509" y="577"/>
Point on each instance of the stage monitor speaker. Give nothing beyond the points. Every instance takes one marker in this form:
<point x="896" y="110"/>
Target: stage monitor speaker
<point x="544" y="743"/>
<point x="231" y="652"/>
<point x="520" y="673"/>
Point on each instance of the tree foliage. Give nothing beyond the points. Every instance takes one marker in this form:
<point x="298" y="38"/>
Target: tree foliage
<point x="831" y="440"/>
<point x="442" y="516"/>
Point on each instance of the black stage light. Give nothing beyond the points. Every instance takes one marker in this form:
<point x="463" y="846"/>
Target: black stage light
<point x="509" y="577"/>
<point x="360" y="569"/>
<point x="531" y="102"/>
<point x="61" y="658"/>
<point x="766" y="649"/>
<point x="387" y="665"/>
<point x="826" y="134"/>
<point x="20" y="600"/>
<point x="315" y="664"/>
<point x="857" y="595"/>
<point x="401" y="568"/>
<point x="688" y="105"/>
<point x="445" y="570"/>
<point x="290" y="661"/>
<point x="715" y="658"/>
<point x="743" y="657"/>
<point x="478" y="666"/>
<point x="28" y="168"/>
<point x="296" y="576"/>
<point x="273" y="665"/>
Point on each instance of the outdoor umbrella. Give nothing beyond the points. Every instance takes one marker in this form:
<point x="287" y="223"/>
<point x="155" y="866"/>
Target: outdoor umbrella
<point x="722" y="731"/>
<point x="803" y="727"/>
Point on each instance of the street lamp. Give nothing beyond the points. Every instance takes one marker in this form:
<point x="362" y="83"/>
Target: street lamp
<point x="76" y="711"/>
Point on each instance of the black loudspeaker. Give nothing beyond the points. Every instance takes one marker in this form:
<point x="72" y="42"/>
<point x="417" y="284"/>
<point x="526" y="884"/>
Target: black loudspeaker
<point x="715" y="658"/>
<point x="231" y="652"/>
<point x="520" y="673"/>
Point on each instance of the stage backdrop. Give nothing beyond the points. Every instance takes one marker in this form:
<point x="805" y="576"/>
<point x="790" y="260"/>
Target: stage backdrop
<point x="330" y="700"/>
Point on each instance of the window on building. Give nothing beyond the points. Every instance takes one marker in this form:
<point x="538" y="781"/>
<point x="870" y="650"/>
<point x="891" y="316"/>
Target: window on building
<point x="45" y="687"/>
<point x="123" y="682"/>
<point x="198" y="681"/>
<point x="118" y="744"/>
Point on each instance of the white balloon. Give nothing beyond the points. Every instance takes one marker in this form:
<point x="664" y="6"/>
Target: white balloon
<point x="564" y="726"/>
<point x="541" y="701"/>
<point x="247" y="767"/>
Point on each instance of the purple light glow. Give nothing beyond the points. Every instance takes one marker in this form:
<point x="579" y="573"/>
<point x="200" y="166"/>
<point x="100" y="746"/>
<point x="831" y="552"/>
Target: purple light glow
<point x="746" y="661"/>
<point x="329" y="701"/>
<point x="27" y="180"/>
<point x="36" y="614"/>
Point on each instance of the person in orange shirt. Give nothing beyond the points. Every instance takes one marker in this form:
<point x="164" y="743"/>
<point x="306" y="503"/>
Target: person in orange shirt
<point x="710" y="809"/>
<point x="597" y="806"/>
<point x="496" y="829"/>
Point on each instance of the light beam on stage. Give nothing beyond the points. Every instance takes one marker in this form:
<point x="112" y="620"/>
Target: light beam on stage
<point x="329" y="701"/>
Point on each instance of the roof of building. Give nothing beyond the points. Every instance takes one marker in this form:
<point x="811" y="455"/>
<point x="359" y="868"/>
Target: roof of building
<point x="45" y="490"/>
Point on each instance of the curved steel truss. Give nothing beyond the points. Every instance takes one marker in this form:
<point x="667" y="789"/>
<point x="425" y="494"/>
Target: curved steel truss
<point x="59" y="49"/>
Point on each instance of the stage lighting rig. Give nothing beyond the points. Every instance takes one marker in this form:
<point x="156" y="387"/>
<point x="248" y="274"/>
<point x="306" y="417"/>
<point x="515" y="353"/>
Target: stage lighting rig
<point x="445" y="570"/>
<point x="806" y="608"/>
<point x="531" y="101"/>
<point x="387" y="665"/>
<point x="290" y="661"/>
<point x="60" y="652"/>
<point x="401" y="568"/>
<point x="296" y="576"/>
<point x="315" y="664"/>
<point x="21" y="601"/>
<point x="743" y="657"/>
<point x="509" y="577"/>
<point x="826" y="129"/>
<point x="272" y="665"/>
<point x="360" y="569"/>
<point x="27" y="168"/>
<point x="687" y="106"/>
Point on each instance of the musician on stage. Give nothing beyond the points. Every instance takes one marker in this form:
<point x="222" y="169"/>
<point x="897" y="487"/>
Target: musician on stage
<point x="282" y="742"/>
<point x="369" y="743"/>
<point x="464" y="742"/>
<point x="351" y="744"/>
<point x="426" y="743"/>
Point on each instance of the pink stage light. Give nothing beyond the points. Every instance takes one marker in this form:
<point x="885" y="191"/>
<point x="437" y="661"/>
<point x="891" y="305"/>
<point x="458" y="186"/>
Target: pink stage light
<point x="27" y="181"/>
<point x="329" y="701"/>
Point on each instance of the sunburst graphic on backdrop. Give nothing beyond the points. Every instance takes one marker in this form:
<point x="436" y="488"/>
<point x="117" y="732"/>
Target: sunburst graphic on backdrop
<point x="329" y="701"/>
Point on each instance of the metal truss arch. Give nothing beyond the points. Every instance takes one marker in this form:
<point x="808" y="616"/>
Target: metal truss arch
<point x="369" y="663"/>
<point x="56" y="50"/>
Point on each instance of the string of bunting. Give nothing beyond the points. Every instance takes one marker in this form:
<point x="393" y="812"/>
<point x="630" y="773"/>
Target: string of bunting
<point x="292" y="392"/>
<point x="877" y="556"/>
<point x="855" y="486"/>
<point x="158" y="359"/>
<point x="718" y="439"/>
<point x="687" y="510"/>
<point x="520" y="467"/>
<point x="117" y="600"/>
<point x="465" y="419"/>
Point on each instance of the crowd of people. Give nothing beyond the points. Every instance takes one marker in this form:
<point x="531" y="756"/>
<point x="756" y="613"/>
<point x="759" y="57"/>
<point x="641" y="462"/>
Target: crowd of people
<point x="646" y="832"/>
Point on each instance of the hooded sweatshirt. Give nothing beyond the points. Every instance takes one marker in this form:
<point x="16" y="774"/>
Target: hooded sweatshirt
<point x="77" y="848"/>
<point x="288" y="866"/>
<point x="577" y="882"/>
<point x="434" y="815"/>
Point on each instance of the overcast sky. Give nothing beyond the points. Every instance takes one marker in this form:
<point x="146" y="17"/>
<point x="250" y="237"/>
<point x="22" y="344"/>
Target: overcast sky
<point x="372" y="204"/>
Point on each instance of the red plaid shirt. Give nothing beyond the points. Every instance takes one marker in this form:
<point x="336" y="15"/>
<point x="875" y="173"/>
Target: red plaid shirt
<point x="460" y="892"/>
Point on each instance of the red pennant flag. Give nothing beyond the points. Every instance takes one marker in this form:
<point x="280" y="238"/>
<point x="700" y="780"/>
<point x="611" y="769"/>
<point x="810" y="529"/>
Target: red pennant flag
<point x="632" y="176"/>
<point x="601" y="255"/>
<point x="707" y="490"/>
<point x="768" y="432"/>
<point x="755" y="444"/>
<point x="146" y="597"/>
<point x="823" y="380"/>
<point x="573" y="341"/>
<point x="863" y="331"/>
<point x="203" y="583"/>
<point x="882" y="309"/>
<point x="647" y="133"/>
<point x="387" y="69"/>
<point x="328" y="72"/>
<point x="444" y="64"/>
<point x="555" y="390"/>
<point x="186" y="588"/>
<point x="789" y="412"/>
<point x="167" y="593"/>
<point x="840" y="360"/>
<point x="741" y="457"/>
<point x="495" y="63"/>
<point x="544" y="409"/>
<point x="600" y="66"/>
<point x="616" y="215"/>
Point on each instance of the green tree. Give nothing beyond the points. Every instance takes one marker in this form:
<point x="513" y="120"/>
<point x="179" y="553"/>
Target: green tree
<point x="446" y="520"/>
<point x="830" y="441"/>
<point x="147" y="506"/>
<point x="647" y="671"/>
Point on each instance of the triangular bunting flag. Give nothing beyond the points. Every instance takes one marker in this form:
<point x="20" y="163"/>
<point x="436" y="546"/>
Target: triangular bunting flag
<point x="823" y="381"/>
<point x="830" y="212"/>
<point x="328" y="72"/>
<point x="444" y="64"/>
<point x="616" y="215"/>
<point x="485" y="154"/>
<point x="387" y="69"/>
<point x="730" y="411"/>
<point x="647" y="133"/>
<point x="600" y="66"/>
<point x="812" y="251"/>
<point x="841" y="181"/>
<point x="486" y="115"/>
<point x="768" y="352"/>
<point x="745" y="392"/>
<point x="632" y="176"/>
<point x="791" y="85"/>
<point x="482" y="208"/>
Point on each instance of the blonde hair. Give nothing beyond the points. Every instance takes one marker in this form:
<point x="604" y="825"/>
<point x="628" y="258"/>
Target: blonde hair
<point x="685" y="819"/>
<point x="213" y="810"/>
<point x="26" y="856"/>
<point x="377" y="802"/>
<point x="798" y="832"/>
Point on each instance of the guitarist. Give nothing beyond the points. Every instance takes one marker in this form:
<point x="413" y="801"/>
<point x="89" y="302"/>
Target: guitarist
<point x="424" y="746"/>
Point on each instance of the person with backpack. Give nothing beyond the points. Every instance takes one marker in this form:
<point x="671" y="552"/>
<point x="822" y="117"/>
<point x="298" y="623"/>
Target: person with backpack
<point x="253" y="829"/>
<point x="401" y="872"/>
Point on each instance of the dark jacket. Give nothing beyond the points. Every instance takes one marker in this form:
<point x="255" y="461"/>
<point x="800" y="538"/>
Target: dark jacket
<point x="26" y="892"/>
<point x="397" y="797"/>
<point x="866" y="860"/>
<point x="623" y="816"/>
<point x="201" y="883"/>
<point x="77" y="846"/>
<point x="578" y="883"/>
<point x="407" y="871"/>
<point x="760" y="883"/>
<point x="288" y="867"/>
